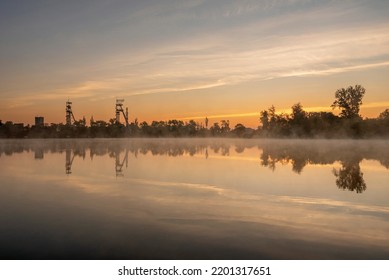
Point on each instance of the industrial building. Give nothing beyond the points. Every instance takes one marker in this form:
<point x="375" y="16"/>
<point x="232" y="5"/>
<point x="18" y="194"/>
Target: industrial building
<point x="39" y="121"/>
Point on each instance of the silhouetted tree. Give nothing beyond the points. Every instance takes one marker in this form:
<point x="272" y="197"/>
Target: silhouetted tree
<point x="239" y="130"/>
<point x="271" y="122"/>
<point x="215" y="129"/>
<point x="175" y="127"/>
<point x="264" y="119"/>
<point x="384" y="115"/>
<point x="298" y="114"/>
<point x="158" y="128"/>
<point x="79" y="127"/>
<point x="145" y="128"/>
<point x="225" y="126"/>
<point x="298" y="120"/>
<point x="272" y="116"/>
<point x="191" y="128"/>
<point x="322" y="123"/>
<point x="349" y="100"/>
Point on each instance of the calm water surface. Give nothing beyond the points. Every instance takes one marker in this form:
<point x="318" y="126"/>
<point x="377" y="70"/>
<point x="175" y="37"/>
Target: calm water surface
<point x="194" y="199"/>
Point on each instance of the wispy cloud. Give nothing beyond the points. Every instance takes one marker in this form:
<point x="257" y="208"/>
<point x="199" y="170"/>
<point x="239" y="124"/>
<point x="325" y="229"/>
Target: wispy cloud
<point x="375" y="104"/>
<point x="185" y="67"/>
<point x="221" y="116"/>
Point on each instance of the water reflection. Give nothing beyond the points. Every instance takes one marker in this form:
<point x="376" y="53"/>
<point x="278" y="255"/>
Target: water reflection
<point x="38" y="153"/>
<point x="185" y="198"/>
<point x="270" y="153"/>
<point x="69" y="160"/>
<point x="349" y="153"/>
<point x="119" y="164"/>
<point x="349" y="177"/>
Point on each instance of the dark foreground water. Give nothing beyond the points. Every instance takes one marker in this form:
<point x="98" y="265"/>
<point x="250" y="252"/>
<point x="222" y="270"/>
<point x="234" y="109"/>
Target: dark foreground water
<point x="194" y="199"/>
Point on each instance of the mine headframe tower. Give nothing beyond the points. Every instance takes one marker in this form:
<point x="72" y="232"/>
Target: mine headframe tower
<point x="119" y="108"/>
<point x="69" y="113"/>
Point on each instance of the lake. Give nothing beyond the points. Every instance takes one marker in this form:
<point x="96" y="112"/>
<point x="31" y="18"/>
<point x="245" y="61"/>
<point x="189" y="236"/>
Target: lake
<point x="194" y="199"/>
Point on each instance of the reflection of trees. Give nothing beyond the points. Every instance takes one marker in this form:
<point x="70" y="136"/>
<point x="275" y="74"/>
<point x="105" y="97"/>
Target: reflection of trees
<point x="222" y="149"/>
<point x="38" y="154"/>
<point x="239" y="148"/>
<point x="297" y="154"/>
<point x="349" y="177"/>
<point x="268" y="161"/>
<point x="298" y="164"/>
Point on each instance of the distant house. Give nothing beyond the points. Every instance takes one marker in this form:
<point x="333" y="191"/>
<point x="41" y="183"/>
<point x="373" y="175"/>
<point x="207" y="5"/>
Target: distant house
<point x="39" y="121"/>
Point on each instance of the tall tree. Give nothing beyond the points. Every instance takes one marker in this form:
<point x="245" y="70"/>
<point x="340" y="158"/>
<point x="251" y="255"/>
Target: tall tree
<point x="298" y="114"/>
<point x="225" y="126"/>
<point x="348" y="101"/>
<point x="384" y="115"/>
<point x="264" y="119"/>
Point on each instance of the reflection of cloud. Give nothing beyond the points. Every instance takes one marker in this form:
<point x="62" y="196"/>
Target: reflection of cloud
<point x="233" y="195"/>
<point x="340" y="205"/>
<point x="156" y="183"/>
<point x="103" y="187"/>
<point x="292" y="213"/>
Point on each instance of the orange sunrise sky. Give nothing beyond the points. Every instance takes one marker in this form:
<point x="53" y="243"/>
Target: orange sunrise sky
<point x="189" y="59"/>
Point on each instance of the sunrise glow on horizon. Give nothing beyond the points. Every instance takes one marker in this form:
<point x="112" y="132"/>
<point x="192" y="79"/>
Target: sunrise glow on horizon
<point x="189" y="59"/>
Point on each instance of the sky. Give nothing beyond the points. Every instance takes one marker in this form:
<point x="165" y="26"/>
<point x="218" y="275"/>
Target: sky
<point x="171" y="59"/>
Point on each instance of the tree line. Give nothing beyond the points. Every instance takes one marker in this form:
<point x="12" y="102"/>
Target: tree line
<point x="298" y="124"/>
<point x="102" y="129"/>
<point x="349" y="124"/>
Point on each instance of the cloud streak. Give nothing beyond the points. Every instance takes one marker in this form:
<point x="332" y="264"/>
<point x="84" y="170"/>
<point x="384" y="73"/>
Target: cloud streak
<point x="184" y="68"/>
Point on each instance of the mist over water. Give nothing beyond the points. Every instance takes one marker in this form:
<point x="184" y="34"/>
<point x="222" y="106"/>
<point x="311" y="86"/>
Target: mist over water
<point x="194" y="199"/>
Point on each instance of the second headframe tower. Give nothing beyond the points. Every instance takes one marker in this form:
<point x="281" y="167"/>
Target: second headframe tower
<point x="119" y="108"/>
